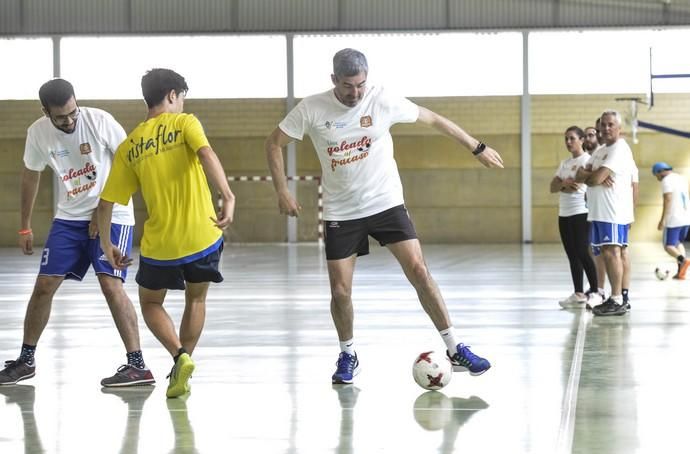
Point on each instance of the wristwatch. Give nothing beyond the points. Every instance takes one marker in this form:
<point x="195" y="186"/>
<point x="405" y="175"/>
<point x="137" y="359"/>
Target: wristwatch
<point x="481" y="146"/>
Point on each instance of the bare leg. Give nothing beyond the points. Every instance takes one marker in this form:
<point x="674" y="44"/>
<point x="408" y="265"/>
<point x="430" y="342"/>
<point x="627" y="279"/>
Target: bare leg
<point x="614" y="267"/>
<point x="409" y="255"/>
<point x="675" y="251"/>
<point x="194" y="315"/>
<point x="122" y="310"/>
<point x="158" y="320"/>
<point x="38" y="309"/>
<point x="600" y="263"/>
<point x="340" y="274"/>
<point x="627" y="267"/>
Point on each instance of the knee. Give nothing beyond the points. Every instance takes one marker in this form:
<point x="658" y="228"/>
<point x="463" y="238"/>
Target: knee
<point x="611" y="252"/>
<point x="419" y="275"/>
<point x="341" y="293"/>
<point x="115" y="294"/>
<point x="43" y="290"/>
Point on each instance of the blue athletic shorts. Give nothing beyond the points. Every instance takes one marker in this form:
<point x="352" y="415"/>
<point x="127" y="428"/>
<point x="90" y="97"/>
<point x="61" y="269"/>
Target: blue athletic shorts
<point x="606" y="233"/>
<point x="69" y="251"/>
<point x="673" y="236"/>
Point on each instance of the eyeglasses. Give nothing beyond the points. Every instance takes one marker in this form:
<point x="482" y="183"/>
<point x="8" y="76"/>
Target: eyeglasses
<point x="64" y="118"/>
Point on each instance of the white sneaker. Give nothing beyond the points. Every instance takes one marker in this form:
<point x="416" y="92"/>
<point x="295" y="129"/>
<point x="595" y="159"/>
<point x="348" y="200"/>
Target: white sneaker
<point x="594" y="299"/>
<point x="573" y="302"/>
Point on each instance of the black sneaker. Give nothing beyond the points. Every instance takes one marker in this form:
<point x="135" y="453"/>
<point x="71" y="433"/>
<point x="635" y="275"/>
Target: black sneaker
<point x="626" y="304"/>
<point x="15" y="371"/>
<point x="609" y="307"/>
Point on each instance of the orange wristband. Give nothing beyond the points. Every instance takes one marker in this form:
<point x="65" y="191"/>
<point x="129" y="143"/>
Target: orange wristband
<point x="25" y="232"/>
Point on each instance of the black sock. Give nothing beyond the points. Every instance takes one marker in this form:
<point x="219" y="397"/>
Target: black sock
<point x="680" y="259"/>
<point x="179" y="352"/>
<point x="136" y="359"/>
<point x="625" y="295"/>
<point x="27" y="354"/>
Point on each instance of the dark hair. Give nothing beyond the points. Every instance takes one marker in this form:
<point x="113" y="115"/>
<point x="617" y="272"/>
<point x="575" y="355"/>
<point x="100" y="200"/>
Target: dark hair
<point x="349" y="62"/>
<point x="580" y="133"/>
<point x="55" y="93"/>
<point x="158" y="82"/>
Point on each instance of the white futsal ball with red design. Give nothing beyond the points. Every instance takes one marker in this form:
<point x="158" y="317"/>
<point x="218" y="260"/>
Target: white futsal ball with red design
<point x="432" y="370"/>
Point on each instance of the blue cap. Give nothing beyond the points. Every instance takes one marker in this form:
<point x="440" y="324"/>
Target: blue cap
<point x="660" y="167"/>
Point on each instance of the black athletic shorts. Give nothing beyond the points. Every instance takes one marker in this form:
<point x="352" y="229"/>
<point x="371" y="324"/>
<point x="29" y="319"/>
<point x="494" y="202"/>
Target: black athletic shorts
<point x="205" y="269"/>
<point x="345" y="238"/>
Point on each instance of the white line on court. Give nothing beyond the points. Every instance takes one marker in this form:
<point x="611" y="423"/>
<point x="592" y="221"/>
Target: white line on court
<point x="564" y="444"/>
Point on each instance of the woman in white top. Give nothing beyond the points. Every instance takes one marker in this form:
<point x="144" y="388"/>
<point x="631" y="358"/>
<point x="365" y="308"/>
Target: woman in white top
<point x="572" y="218"/>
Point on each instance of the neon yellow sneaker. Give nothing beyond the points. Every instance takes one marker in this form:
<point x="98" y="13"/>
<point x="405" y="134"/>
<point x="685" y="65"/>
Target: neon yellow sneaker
<point x="179" y="376"/>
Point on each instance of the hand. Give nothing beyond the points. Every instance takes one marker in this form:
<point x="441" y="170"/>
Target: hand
<point x="115" y="257"/>
<point x="225" y="215"/>
<point x="288" y="205"/>
<point x="490" y="158"/>
<point x="26" y="243"/>
<point x="660" y="226"/>
<point x="93" y="229"/>
<point x="571" y="184"/>
<point x="608" y="182"/>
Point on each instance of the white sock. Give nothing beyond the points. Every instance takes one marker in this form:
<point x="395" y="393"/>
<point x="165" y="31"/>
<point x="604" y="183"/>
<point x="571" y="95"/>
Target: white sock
<point x="348" y="347"/>
<point x="601" y="292"/>
<point x="617" y="298"/>
<point x="448" y="336"/>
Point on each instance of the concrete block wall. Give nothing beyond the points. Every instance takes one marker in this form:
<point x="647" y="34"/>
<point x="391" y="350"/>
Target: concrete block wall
<point x="451" y="198"/>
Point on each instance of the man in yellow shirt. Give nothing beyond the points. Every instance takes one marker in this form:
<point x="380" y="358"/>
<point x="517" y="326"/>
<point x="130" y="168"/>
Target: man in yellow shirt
<point x="169" y="159"/>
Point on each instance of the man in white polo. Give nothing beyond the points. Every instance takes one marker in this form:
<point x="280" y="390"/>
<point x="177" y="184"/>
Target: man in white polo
<point x="610" y="205"/>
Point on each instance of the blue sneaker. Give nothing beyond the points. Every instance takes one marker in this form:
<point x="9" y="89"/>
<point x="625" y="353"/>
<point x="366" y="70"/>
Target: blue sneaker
<point x="347" y="367"/>
<point x="464" y="360"/>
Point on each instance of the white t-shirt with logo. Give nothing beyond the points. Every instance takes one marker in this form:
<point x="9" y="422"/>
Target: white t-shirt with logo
<point x="613" y="204"/>
<point x="678" y="214"/>
<point x="354" y="145"/>
<point x="572" y="203"/>
<point x="81" y="162"/>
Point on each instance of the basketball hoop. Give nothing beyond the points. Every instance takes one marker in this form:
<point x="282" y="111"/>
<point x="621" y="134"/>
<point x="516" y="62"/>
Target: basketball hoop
<point x="630" y="116"/>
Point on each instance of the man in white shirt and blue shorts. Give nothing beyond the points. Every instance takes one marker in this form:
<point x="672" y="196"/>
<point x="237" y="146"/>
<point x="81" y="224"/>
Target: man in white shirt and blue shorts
<point x="363" y="196"/>
<point x="78" y="144"/>
<point x="609" y="175"/>
<point x="675" y="216"/>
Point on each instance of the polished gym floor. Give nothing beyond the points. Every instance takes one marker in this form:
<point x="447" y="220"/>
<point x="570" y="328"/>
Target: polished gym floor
<point x="561" y="381"/>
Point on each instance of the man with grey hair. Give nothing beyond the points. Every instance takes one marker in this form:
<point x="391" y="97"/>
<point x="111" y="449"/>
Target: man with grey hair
<point x="363" y="196"/>
<point x="609" y="174"/>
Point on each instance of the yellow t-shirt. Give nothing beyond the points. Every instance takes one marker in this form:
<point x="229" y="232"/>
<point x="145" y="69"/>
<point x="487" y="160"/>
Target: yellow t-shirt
<point x="160" y="157"/>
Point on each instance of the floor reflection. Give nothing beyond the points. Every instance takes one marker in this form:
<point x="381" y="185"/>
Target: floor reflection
<point x="347" y="398"/>
<point x="435" y="411"/>
<point x="184" y="432"/>
<point x="266" y="357"/>
<point x="134" y="398"/>
<point x="24" y="396"/>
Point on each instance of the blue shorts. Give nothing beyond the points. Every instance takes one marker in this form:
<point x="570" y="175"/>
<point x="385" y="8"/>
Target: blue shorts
<point x="69" y="251"/>
<point x="606" y="233"/>
<point x="673" y="236"/>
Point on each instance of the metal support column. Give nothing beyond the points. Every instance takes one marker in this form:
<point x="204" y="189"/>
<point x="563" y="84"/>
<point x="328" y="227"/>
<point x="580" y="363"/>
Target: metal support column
<point x="526" y="144"/>
<point x="291" y="157"/>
